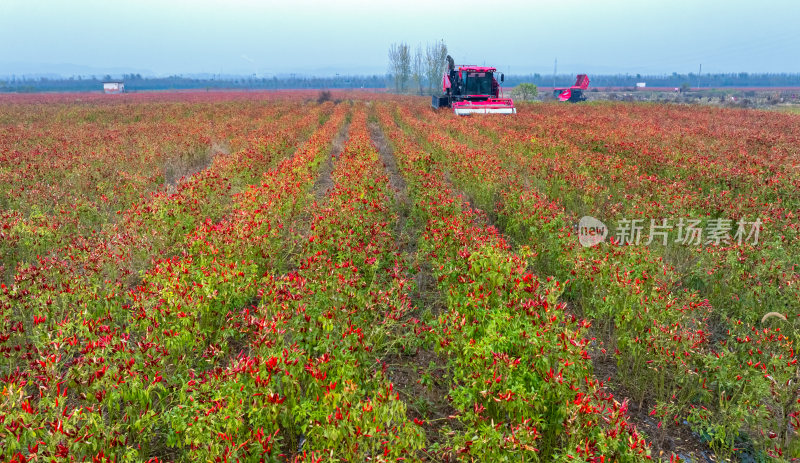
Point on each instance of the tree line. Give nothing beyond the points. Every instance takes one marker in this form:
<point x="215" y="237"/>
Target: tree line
<point x="417" y="76"/>
<point x="675" y="80"/>
<point x="419" y="71"/>
<point x="135" y="82"/>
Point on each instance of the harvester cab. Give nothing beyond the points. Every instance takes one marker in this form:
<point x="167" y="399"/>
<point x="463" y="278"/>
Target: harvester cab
<point x="472" y="90"/>
<point x="573" y="94"/>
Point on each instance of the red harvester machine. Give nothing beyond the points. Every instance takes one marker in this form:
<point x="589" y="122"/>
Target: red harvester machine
<point x="573" y="94"/>
<point x="472" y="90"/>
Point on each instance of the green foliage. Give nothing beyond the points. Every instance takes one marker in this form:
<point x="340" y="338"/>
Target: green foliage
<point x="526" y="91"/>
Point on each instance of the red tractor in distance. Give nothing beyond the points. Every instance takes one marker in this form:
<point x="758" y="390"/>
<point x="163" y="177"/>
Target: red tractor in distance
<point x="472" y="90"/>
<point x="573" y="94"/>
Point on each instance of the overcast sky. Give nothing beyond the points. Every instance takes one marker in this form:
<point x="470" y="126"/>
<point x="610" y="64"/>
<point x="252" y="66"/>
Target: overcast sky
<point x="352" y="36"/>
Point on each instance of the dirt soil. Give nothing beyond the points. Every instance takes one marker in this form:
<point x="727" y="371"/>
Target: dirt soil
<point x="324" y="183"/>
<point x="422" y="377"/>
<point x="678" y="438"/>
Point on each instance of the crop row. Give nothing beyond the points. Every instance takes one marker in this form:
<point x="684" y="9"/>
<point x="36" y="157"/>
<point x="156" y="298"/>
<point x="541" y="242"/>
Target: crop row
<point x="521" y="375"/>
<point x="669" y="179"/>
<point x="726" y="376"/>
<point x="96" y="370"/>
<point x="61" y="179"/>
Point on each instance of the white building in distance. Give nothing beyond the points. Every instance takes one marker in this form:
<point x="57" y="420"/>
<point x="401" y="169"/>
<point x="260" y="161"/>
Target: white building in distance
<point x="113" y="87"/>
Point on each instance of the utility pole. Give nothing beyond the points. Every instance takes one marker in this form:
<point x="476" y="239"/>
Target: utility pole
<point x="699" y="74"/>
<point x="555" y="70"/>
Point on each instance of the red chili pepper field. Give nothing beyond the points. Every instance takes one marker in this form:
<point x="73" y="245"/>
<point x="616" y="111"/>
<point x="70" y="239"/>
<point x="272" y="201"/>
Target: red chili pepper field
<point x="261" y="277"/>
